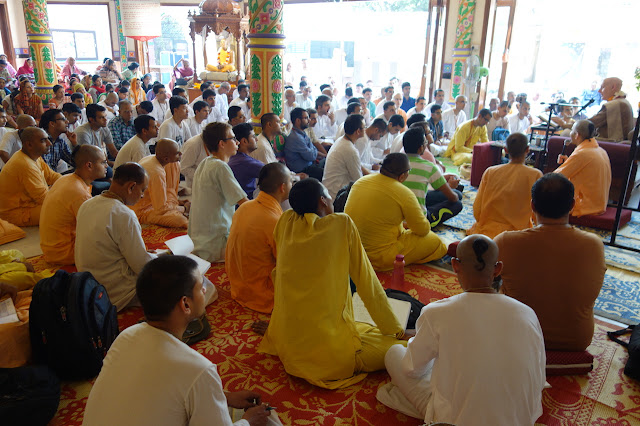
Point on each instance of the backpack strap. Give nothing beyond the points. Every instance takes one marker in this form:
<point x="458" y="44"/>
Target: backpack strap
<point x="612" y="335"/>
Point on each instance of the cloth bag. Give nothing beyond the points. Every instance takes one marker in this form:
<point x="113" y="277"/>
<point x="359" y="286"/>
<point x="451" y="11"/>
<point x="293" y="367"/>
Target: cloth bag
<point x="632" y="368"/>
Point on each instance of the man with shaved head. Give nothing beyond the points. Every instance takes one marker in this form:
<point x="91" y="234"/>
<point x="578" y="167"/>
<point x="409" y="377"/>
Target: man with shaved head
<point x="160" y="204"/>
<point x="11" y="142"/>
<point x="475" y="355"/>
<point x="614" y="121"/>
<point x="25" y="179"/>
<point x="109" y="238"/>
<point x="61" y="205"/>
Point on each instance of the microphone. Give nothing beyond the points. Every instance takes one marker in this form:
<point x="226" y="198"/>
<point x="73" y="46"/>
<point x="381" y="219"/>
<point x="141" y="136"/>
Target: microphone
<point x="589" y="103"/>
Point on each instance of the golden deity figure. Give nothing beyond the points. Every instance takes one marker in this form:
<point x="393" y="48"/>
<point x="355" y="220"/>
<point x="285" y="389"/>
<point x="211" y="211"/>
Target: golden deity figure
<point x="226" y="59"/>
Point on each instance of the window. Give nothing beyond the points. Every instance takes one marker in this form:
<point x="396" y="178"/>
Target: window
<point x="77" y="44"/>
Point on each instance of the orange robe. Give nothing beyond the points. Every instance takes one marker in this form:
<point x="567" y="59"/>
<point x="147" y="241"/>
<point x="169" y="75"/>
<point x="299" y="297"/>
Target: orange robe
<point x="159" y="205"/>
<point x="23" y="185"/>
<point x="58" y="218"/>
<point x="251" y="252"/>
<point x="503" y="202"/>
<point x="589" y="169"/>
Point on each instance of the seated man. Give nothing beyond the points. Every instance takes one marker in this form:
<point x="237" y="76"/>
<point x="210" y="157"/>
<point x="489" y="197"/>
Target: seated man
<point x="108" y="236"/>
<point x="343" y="161"/>
<point x="424" y="174"/>
<point x="379" y="204"/>
<point x="317" y="253"/>
<point x="454" y="117"/>
<point x="376" y="131"/>
<point x="173" y="127"/>
<point x="160" y="204"/>
<point x="201" y="112"/>
<point x="500" y="381"/>
<point x="382" y="147"/>
<point x="179" y="385"/>
<point x="60" y="207"/>
<point x="561" y="289"/>
<point x="193" y="152"/>
<point x="11" y="142"/>
<point x="59" y="157"/>
<point x="215" y="194"/>
<point x="245" y="168"/>
<point x="251" y="251"/>
<point x="439" y="146"/>
<point x="520" y="122"/>
<point x="614" y="121"/>
<point x="264" y="152"/>
<point x="236" y="115"/>
<point x="589" y="169"/>
<point x="136" y="148"/>
<point x="25" y="180"/>
<point x="460" y="148"/>
<point x="326" y="127"/>
<point x="299" y="152"/>
<point x="503" y="202"/>
<point x="242" y="101"/>
<point x="95" y="131"/>
<point x="122" y="128"/>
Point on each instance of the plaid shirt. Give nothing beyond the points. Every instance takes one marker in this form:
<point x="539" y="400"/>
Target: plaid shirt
<point x="59" y="151"/>
<point x="121" y="131"/>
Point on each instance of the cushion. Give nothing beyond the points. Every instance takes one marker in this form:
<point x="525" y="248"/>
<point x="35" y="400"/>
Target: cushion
<point x="10" y="232"/>
<point x="484" y="156"/>
<point x="602" y="221"/>
<point x="561" y="363"/>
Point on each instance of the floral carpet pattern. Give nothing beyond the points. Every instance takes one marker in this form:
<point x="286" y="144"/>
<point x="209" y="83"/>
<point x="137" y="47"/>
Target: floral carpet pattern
<point x="620" y="295"/>
<point x="603" y="397"/>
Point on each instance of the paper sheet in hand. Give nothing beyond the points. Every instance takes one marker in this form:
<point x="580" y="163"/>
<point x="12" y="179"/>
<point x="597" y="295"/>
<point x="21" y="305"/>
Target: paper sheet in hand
<point x="182" y="246"/>
<point x="8" y="312"/>
<point x="400" y="308"/>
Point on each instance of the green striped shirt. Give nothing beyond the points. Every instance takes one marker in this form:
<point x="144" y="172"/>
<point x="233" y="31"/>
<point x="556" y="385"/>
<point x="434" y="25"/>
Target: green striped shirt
<point x="422" y="174"/>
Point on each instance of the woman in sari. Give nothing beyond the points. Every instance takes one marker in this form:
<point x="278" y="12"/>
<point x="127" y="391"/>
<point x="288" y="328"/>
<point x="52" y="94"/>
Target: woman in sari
<point x="59" y="97"/>
<point x="26" y="70"/>
<point x="136" y="94"/>
<point x="27" y="102"/>
<point x="79" y="88"/>
<point x="70" y="68"/>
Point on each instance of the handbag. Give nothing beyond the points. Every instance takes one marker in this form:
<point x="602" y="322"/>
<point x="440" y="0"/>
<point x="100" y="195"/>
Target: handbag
<point x="632" y="368"/>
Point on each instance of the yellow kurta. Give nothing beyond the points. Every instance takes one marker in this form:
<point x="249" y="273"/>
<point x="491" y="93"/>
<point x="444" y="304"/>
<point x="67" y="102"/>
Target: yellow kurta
<point x="312" y="328"/>
<point x="23" y="185"/>
<point x="15" y="273"/>
<point x="251" y="252"/>
<point x="58" y="218"/>
<point x="589" y="169"/>
<point x="159" y="205"/>
<point x="465" y="137"/>
<point x="503" y="202"/>
<point x="378" y="206"/>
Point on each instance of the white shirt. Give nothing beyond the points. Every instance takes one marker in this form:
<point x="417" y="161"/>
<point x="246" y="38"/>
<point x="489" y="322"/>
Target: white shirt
<point x="397" y="145"/>
<point x="151" y="377"/>
<point x="427" y="110"/>
<point x="172" y="130"/>
<point x="215" y="116"/>
<point x="264" y="152"/>
<point x="109" y="245"/>
<point x="287" y="112"/>
<point x="133" y="150"/>
<point x="451" y="121"/>
<point x="160" y="110"/>
<point x="193" y="152"/>
<point x="414" y="111"/>
<point x="194" y="127"/>
<point x="168" y="114"/>
<point x="363" y="146"/>
<point x="516" y="125"/>
<point x="111" y="111"/>
<point x="340" y="116"/>
<point x="10" y="142"/>
<point x="222" y="103"/>
<point x="380" y="107"/>
<point x="324" y="128"/>
<point x="304" y="103"/>
<point x="342" y="166"/>
<point x="245" y="107"/>
<point x="500" y="380"/>
<point x="215" y="195"/>
<point x="378" y="147"/>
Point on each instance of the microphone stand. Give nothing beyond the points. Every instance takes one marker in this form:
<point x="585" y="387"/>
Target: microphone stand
<point x="584" y="107"/>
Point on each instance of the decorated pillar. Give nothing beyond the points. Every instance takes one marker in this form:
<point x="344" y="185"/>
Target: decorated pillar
<point x="266" y="46"/>
<point x="462" y="46"/>
<point x="40" y="47"/>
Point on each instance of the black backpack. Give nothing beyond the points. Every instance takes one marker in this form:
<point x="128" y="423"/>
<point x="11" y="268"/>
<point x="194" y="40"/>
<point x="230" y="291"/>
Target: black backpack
<point x="29" y="395"/>
<point x="632" y="367"/>
<point x="72" y="324"/>
<point x="416" y="305"/>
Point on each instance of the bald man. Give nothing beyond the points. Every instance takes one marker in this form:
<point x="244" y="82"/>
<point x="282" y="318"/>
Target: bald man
<point x="160" y="204"/>
<point x="61" y="205"/>
<point x="614" y="121"/>
<point x="25" y="179"/>
<point x="500" y="381"/>
<point x="11" y="142"/>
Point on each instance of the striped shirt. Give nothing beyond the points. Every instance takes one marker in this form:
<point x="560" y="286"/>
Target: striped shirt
<point x="422" y="174"/>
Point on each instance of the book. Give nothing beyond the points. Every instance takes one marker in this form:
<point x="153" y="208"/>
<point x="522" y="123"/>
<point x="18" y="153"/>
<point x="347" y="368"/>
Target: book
<point x="400" y="308"/>
<point x="8" y="311"/>
<point x="183" y="246"/>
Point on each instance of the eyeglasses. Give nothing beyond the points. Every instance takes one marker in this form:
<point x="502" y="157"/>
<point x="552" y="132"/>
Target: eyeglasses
<point x="230" y="139"/>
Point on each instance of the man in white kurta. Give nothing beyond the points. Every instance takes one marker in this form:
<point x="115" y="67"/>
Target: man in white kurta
<point x="108" y="236"/>
<point x="136" y="148"/>
<point x="174" y="128"/>
<point x="193" y="152"/>
<point x="477" y="357"/>
<point x="343" y="160"/>
<point x="453" y="117"/>
<point x="160" y="103"/>
<point x="520" y="122"/>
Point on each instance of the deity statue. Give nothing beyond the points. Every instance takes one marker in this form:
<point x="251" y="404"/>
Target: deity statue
<point x="226" y="59"/>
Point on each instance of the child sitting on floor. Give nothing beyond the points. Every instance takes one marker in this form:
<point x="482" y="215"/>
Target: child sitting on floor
<point x="503" y="202"/>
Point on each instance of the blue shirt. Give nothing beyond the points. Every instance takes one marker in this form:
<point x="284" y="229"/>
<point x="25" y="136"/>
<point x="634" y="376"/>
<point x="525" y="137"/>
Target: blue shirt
<point x="246" y="169"/>
<point x="299" y="152"/>
<point x="59" y="151"/>
<point x="437" y="130"/>
<point x="407" y="104"/>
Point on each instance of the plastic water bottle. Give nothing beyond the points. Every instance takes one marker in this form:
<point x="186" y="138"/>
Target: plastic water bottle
<point x="398" y="272"/>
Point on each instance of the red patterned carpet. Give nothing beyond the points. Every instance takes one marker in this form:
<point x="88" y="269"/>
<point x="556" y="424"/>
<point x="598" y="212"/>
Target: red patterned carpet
<point x="604" y="397"/>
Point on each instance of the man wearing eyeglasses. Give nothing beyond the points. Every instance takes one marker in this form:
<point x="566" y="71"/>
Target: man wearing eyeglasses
<point x="55" y="123"/>
<point x="460" y="148"/>
<point x="60" y="207"/>
<point x="379" y="204"/>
